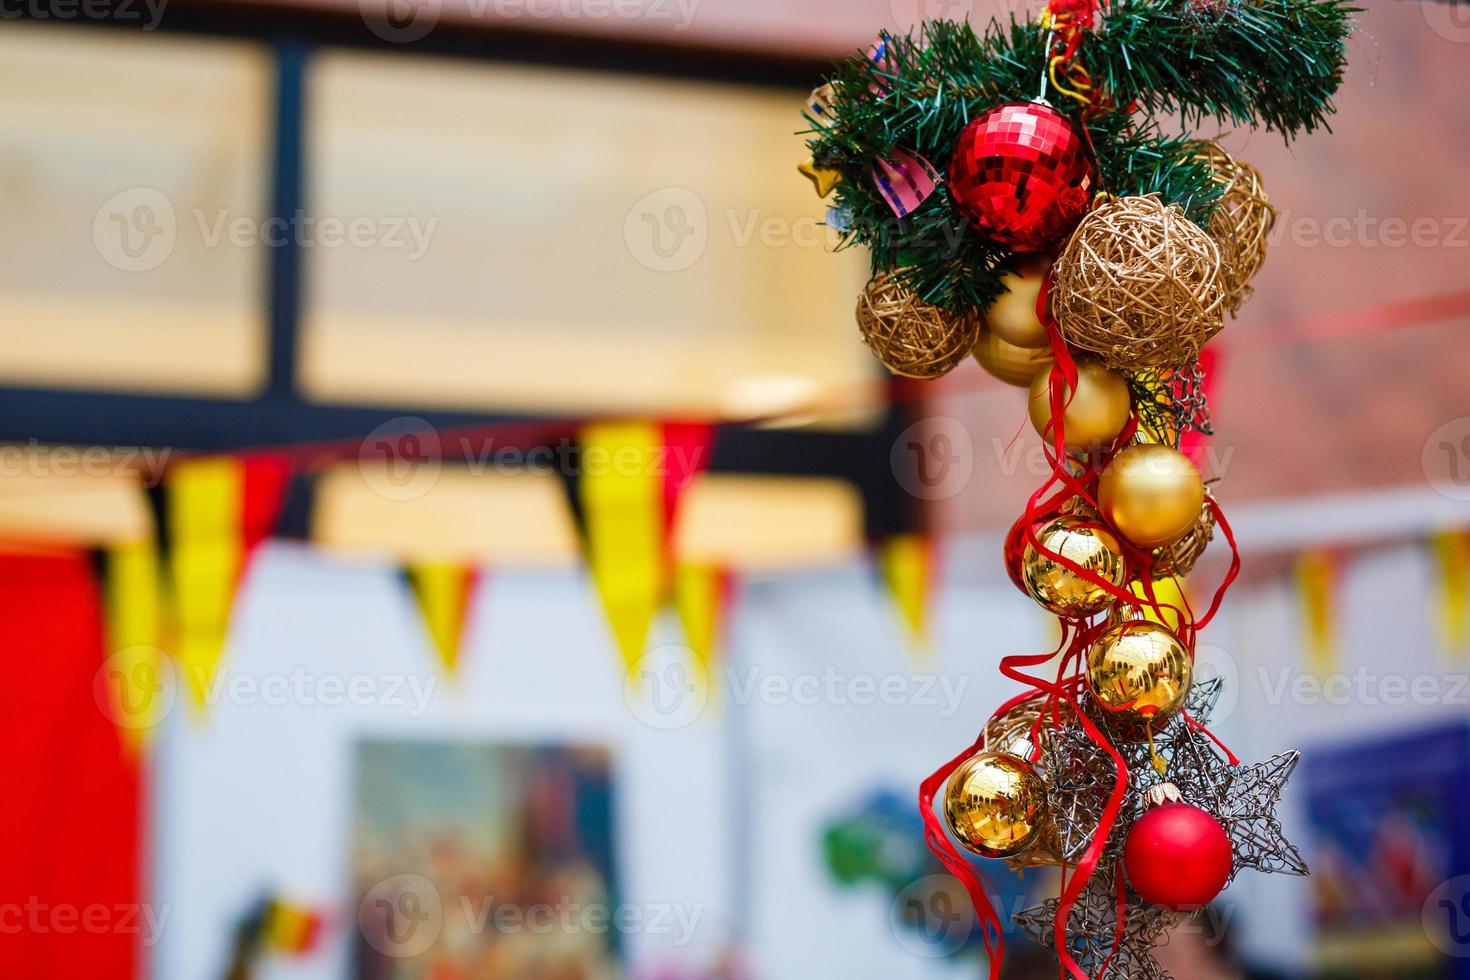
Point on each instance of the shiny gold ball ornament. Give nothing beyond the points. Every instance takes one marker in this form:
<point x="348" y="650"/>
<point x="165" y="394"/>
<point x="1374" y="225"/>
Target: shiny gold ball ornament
<point x="995" y="804"/>
<point x="1011" y="316"/>
<point x="1138" y="284"/>
<point x="1094" y="415"/>
<point x="1240" y="223"/>
<point x="1005" y="361"/>
<point x="1152" y="494"/>
<point x="1138" y="673"/>
<point x="1059" y="589"/>
<point x="911" y="337"/>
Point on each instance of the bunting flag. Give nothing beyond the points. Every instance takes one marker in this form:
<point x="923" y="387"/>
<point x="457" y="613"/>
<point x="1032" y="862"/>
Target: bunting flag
<point x="134" y="608"/>
<point x="1317" y="575"/>
<point x="291" y="930"/>
<point x="702" y="598"/>
<point x="1452" y="586"/>
<point x="907" y="565"/>
<point x="444" y="592"/>
<point x="633" y="474"/>
<point x="623" y="505"/>
<point x="218" y="510"/>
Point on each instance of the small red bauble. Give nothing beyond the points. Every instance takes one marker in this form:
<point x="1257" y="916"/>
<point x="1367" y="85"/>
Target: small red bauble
<point x="1022" y="174"/>
<point x="1177" y="856"/>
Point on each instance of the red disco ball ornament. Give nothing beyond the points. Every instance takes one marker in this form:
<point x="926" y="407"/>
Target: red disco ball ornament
<point x="1023" y="174"/>
<point x="1177" y="856"/>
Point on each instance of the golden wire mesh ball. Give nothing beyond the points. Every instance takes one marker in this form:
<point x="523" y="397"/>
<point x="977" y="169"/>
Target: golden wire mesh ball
<point x="911" y="337"/>
<point x="1241" y="223"/>
<point x="1139" y="285"/>
<point x="1180" y="557"/>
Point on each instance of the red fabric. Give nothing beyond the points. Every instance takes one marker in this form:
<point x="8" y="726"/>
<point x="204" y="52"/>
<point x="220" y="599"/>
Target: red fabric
<point x="70" y="882"/>
<point x="264" y="481"/>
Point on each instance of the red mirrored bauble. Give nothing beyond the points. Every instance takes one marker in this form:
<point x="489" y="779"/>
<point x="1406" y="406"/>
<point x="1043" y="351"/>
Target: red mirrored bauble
<point x="1023" y="174"/>
<point x="1177" y="856"/>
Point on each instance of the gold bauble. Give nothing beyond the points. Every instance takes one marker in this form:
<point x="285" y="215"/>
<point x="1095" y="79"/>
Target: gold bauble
<point x="1061" y="590"/>
<point x="1011" y="364"/>
<point x="1152" y="494"/>
<point x="1094" y="415"/>
<point x="1012" y="315"/>
<point x="1138" y="673"/>
<point x="995" y="804"/>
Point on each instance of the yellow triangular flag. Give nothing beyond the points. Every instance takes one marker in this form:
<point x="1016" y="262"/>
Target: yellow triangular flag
<point x="443" y="591"/>
<point x="136" y="662"/>
<point x="622" y="504"/>
<point x="1316" y="579"/>
<point x="1452" y="579"/>
<point x="700" y="595"/>
<point x="207" y="553"/>
<point x="906" y="562"/>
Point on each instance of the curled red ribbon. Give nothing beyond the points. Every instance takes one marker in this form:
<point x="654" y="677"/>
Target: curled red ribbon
<point x="1070" y="479"/>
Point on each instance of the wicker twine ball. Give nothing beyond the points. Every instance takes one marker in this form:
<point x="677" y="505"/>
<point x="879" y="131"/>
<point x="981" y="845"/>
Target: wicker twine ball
<point x="911" y="337"/>
<point x="1139" y="286"/>
<point x="1242" y="220"/>
<point x="1012" y="733"/>
<point x="1179" y="558"/>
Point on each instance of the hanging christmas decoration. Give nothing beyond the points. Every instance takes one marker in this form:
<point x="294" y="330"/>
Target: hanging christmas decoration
<point x="1178" y="559"/>
<point x="995" y="804"/>
<point x="1046" y="142"/>
<point x="1070" y="566"/>
<point x="1006" y="362"/>
<point x="1138" y="674"/>
<point x="1177" y="855"/>
<point x="1139" y="285"/>
<point x="1012" y="315"/>
<point x="913" y="338"/>
<point x="1022" y="173"/>
<point x="1097" y="408"/>
<point x="1240" y="223"/>
<point x="1152" y="494"/>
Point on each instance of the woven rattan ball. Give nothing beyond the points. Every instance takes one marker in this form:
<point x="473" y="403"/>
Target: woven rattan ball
<point x="1241" y="222"/>
<point x="1178" y="559"/>
<point x="1139" y="285"/>
<point x="911" y="337"/>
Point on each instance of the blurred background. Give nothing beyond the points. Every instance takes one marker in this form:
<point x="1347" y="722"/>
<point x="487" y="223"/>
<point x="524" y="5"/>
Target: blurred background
<point x="452" y="528"/>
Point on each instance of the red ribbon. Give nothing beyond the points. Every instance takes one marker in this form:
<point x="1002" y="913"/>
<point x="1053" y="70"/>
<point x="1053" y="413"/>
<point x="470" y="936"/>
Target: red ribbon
<point x="1070" y="479"/>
